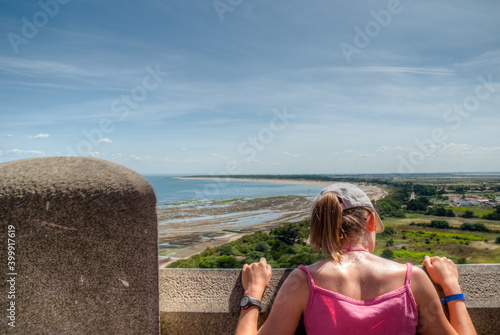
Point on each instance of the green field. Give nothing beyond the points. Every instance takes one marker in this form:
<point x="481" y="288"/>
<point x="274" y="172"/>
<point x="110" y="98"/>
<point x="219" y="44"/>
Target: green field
<point x="411" y="243"/>
<point x="478" y="210"/>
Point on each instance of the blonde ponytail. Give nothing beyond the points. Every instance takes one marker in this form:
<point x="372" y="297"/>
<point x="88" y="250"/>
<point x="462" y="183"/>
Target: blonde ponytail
<point x="330" y="225"/>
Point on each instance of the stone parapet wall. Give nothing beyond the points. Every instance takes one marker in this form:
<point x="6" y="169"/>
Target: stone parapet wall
<point x="86" y="253"/>
<point x="198" y="301"/>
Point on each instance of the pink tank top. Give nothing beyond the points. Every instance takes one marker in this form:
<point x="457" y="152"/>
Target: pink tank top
<point x="330" y="312"/>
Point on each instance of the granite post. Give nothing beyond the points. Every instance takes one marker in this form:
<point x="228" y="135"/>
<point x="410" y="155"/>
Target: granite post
<point x="82" y="237"/>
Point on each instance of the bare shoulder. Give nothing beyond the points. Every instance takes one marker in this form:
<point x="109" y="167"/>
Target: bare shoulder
<point x="420" y="278"/>
<point x="422" y="288"/>
<point x="388" y="266"/>
<point x="297" y="278"/>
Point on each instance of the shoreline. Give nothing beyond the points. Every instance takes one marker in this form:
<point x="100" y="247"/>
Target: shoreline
<point x="189" y="230"/>
<point x="374" y="192"/>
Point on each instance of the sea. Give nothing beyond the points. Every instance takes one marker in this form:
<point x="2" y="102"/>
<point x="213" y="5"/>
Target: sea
<point x="170" y="190"/>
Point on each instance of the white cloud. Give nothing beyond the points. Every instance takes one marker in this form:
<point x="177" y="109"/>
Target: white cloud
<point x="26" y="152"/>
<point x="184" y="149"/>
<point x="138" y="158"/>
<point x="291" y="155"/>
<point x="394" y="69"/>
<point x="40" y="136"/>
<point x="9" y="135"/>
<point x="30" y="67"/>
<point x="105" y="140"/>
<point x="218" y="155"/>
<point x="403" y="148"/>
<point x="383" y="148"/>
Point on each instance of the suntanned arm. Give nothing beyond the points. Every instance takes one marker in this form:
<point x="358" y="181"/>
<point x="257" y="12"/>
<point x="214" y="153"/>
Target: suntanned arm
<point x="247" y="324"/>
<point x="288" y="306"/>
<point x="431" y="316"/>
<point x="255" y="279"/>
<point x="444" y="272"/>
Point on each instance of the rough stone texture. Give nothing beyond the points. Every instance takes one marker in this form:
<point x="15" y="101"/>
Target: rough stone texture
<point x="195" y="301"/>
<point x="86" y="247"/>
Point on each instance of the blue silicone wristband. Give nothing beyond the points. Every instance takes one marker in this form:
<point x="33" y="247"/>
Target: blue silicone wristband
<point x="453" y="297"/>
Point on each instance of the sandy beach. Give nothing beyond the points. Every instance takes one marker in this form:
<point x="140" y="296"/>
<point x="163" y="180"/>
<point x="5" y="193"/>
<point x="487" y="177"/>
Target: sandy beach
<point x="189" y="228"/>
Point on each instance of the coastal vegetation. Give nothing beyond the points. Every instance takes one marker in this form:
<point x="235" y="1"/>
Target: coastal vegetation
<point x="419" y="221"/>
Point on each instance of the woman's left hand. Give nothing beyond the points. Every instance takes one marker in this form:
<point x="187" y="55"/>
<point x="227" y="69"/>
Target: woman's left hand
<point x="255" y="278"/>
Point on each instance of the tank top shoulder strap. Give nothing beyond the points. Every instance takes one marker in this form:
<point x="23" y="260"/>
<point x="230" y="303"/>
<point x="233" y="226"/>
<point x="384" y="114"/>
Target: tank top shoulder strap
<point x="309" y="277"/>
<point x="409" y="267"/>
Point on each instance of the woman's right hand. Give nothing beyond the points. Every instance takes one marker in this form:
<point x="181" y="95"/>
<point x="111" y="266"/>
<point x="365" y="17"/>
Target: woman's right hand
<point x="444" y="273"/>
<point x="255" y="278"/>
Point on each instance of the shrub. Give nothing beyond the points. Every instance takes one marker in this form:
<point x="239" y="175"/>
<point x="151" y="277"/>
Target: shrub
<point x="462" y="260"/>
<point x="228" y="262"/>
<point x="390" y="243"/>
<point x="262" y="246"/>
<point x="207" y="262"/>
<point x="493" y="216"/>
<point x="388" y="231"/>
<point x="474" y="227"/>
<point x="387" y="253"/>
<point x="468" y="214"/>
<point x="497" y="241"/>
<point x="441" y="224"/>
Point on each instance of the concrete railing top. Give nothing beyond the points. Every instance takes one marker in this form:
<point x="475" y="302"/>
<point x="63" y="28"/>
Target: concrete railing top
<point x="197" y="300"/>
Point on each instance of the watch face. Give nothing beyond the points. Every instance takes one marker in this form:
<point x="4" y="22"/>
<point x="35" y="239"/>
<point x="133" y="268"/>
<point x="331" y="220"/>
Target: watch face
<point x="244" y="301"/>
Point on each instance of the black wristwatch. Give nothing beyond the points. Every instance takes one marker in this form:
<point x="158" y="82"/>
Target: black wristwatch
<point x="247" y="301"/>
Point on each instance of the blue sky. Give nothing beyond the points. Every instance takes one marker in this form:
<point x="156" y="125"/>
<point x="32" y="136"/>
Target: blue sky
<point x="253" y="86"/>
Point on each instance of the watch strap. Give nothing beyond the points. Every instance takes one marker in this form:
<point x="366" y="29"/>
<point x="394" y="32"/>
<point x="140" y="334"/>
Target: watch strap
<point x="452" y="297"/>
<point x="246" y="303"/>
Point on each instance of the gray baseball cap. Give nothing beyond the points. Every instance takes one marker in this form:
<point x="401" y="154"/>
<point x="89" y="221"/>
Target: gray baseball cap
<point x="351" y="196"/>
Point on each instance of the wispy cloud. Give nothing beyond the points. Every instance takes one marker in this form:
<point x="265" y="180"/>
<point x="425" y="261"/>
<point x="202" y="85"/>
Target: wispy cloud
<point x="105" y="140"/>
<point x="219" y="156"/>
<point x="391" y="69"/>
<point x="40" y="136"/>
<point x="30" y="67"/>
<point x="26" y="152"/>
<point x="290" y="154"/>
<point x="140" y="158"/>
